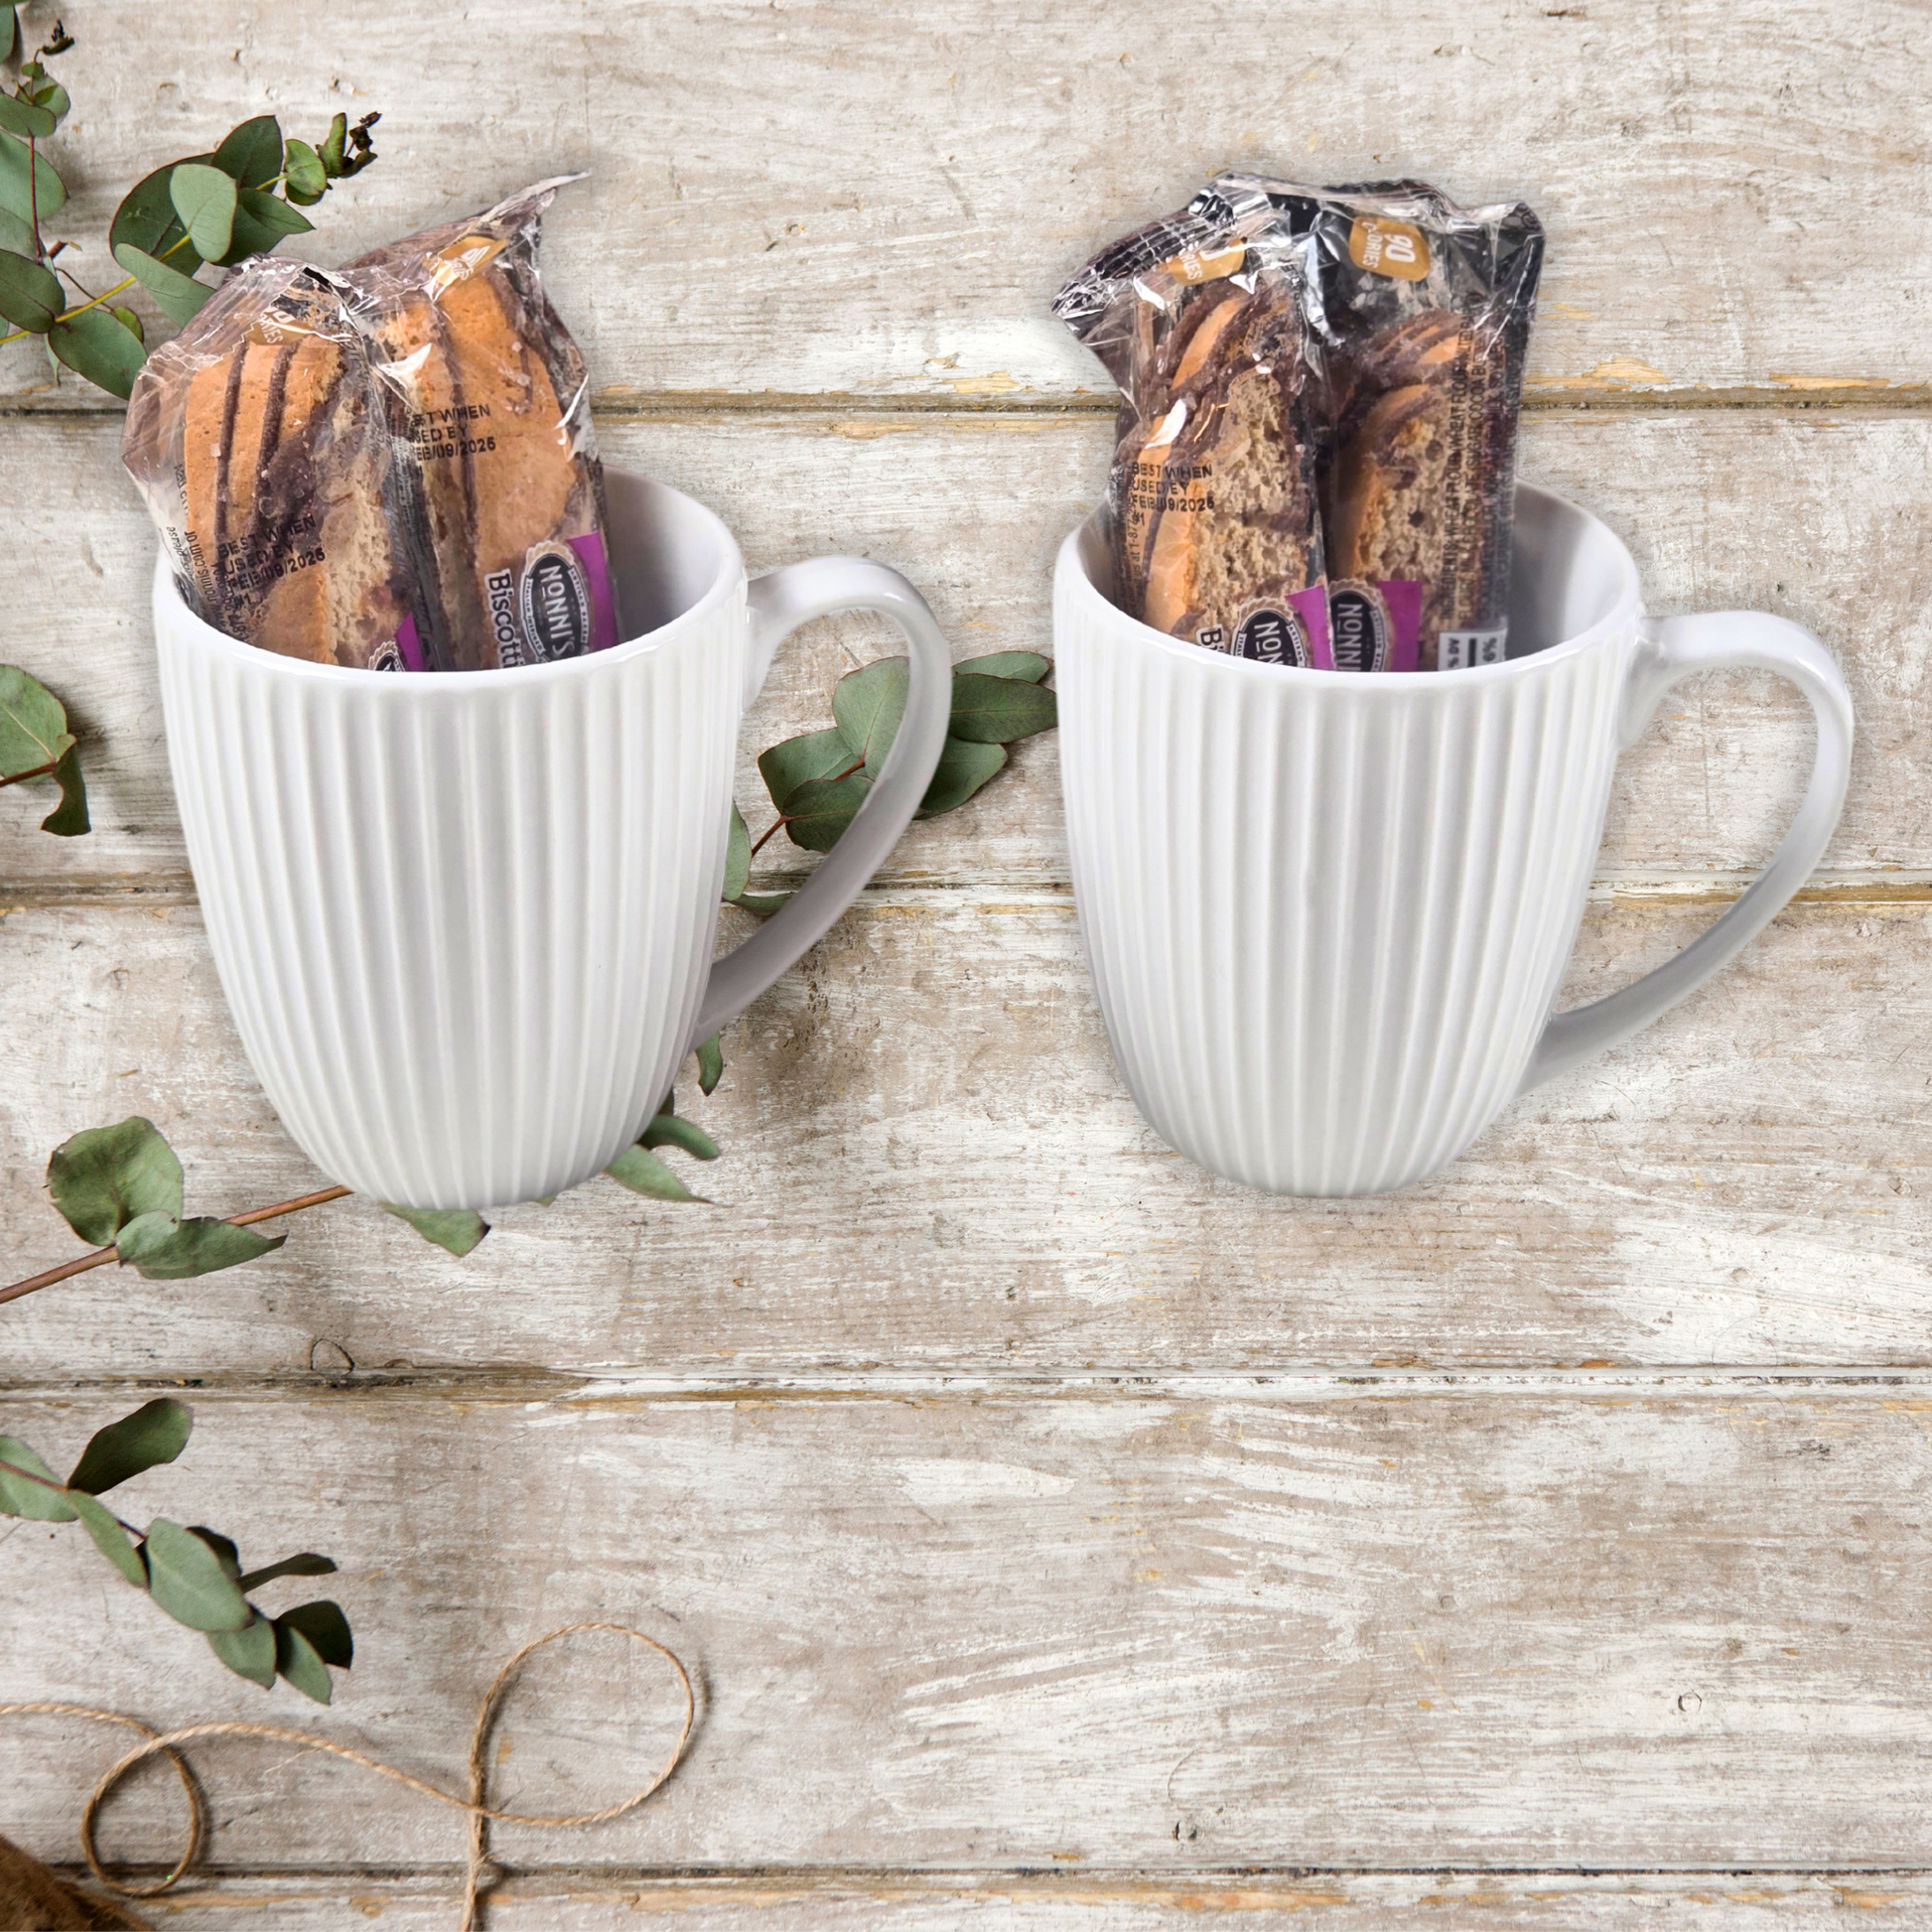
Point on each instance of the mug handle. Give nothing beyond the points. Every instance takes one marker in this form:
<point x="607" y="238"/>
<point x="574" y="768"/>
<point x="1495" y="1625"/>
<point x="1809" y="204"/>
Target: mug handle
<point x="1668" y="649"/>
<point x="780" y="603"/>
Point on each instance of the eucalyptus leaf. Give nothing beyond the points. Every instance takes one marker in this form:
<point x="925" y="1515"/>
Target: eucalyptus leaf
<point x="146" y="219"/>
<point x="1027" y="665"/>
<point x="52" y="96"/>
<point x="179" y="296"/>
<point x="251" y="152"/>
<point x="763" y="905"/>
<point x="9" y="32"/>
<point x="102" y="1178"/>
<point x="669" y="1130"/>
<point x="644" y="1174"/>
<point x="16" y="233"/>
<point x="98" y="345"/>
<point x="962" y="769"/>
<point x="458" y="1229"/>
<point x="737" y="856"/>
<point x="297" y="1660"/>
<point x="249" y="1652"/>
<point x="49" y="190"/>
<point x="818" y="812"/>
<point x="131" y="322"/>
<point x="997" y="710"/>
<point x="110" y="1538"/>
<point x="799" y="760"/>
<point x="19" y="1497"/>
<point x="711" y="1064"/>
<point x="33" y="724"/>
<point x="205" y="204"/>
<point x="24" y="119"/>
<point x="30" y="296"/>
<point x="262" y="221"/>
<point x="329" y="153"/>
<point x="868" y="705"/>
<point x="187" y="1580"/>
<point x="304" y="179"/>
<point x="162" y="1250"/>
<point x="154" y="1434"/>
<point x="225" y="1551"/>
<point x="307" y="1563"/>
<point x="326" y="1628"/>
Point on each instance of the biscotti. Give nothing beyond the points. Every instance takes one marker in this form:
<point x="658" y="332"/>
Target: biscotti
<point x="1215" y="525"/>
<point x="1424" y="312"/>
<point x="489" y="405"/>
<point x="263" y="451"/>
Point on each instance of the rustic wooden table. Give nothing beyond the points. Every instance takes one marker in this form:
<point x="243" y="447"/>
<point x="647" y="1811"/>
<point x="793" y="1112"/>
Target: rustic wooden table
<point x="1060" y="1535"/>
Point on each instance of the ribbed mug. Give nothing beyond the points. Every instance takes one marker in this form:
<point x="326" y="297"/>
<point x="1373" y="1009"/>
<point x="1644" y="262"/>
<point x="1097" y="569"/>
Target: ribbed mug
<point x="1327" y="914"/>
<point x="464" y="920"/>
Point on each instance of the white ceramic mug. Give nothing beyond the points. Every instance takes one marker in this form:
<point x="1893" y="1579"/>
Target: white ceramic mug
<point x="466" y="919"/>
<point x="1327" y="914"/>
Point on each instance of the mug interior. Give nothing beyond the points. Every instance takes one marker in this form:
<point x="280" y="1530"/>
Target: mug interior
<point x="1570" y="580"/>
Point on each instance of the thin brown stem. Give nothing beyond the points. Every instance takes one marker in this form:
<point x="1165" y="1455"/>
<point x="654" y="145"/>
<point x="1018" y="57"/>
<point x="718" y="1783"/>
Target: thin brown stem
<point x="21" y="778"/>
<point x="102" y="1256"/>
<point x="27" y="1475"/>
<point x="783" y="819"/>
<point x="775" y="824"/>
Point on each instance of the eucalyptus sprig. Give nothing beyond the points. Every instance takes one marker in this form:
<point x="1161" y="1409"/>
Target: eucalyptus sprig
<point x="36" y="748"/>
<point x="244" y="198"/>
<point x="192" y="1573"/>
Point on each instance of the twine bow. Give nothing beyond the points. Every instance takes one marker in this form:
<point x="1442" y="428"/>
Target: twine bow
<point x="166" y="1744"/>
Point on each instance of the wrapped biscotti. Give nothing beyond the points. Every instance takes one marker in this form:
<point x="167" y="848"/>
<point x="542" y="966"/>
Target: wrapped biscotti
<point x="262" y="447"/>
<point x="1424" y="312"/>
<point x="390" y="465"/>
<point x="1217" y="531"/>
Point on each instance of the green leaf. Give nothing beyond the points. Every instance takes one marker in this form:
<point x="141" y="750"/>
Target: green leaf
<point x="868" y="705"/>
<point x="644" y="1174"/>
<point x="225" y="1553"/>
<point x="156" y="1433"/>
<point x="47" y="189"/>
<point x="1027" y="665"/>
<point x="17" y="1497"/>
<point x="96" y="344"/>
<point x="763" y="905"/>
<point x="296" y="1659"/>
<point x="997" y="710"/>
<point x="24" y="119"/>
<point x="163" y="1249"/>
<point x="962" y="769"/>
<point x="711" y="1064"/>
<point x="110" y="1538"/>
<point x="307" y="1563"/>
<point x="104" y="1176"/>
<point x="51" y="96"/>
<point x="29" y="295"/>
<point x="329" y="153"/>
<point x="821" y="810"/>
<point x="249" y="1652"/>
<point x="179" y="296"/>
<point x="458" y="1229"/>
<point x="9" y="32"/>
<point x="33" y="724"/>
<point x="187" y="1580"/>
<point x="250" y="153"/>
<point x="205" y="204"/>
<point x="130" y="321"/>
<point x="737" y="856"/>
<point x="669" y="1130"/>
<point x="326" y="1628"/>
<point x="261" y="223"/>
<point x="15" y="235"/>
<point x="305" y="180"/>
<point x="799" y="760"/>
<point x="146" y="219"/>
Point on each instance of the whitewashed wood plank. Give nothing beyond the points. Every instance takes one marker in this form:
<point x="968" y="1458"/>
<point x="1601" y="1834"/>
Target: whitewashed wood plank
<point x="1819" y="520"/>
<point x="1438" y="1632"/>
<point x="1727" y="1901"/>
<point x="931" y="1164"/>
<point x="811" y="198"/>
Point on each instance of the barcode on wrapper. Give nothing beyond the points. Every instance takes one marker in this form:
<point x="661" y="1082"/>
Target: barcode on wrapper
<point x="1460" y="649"/>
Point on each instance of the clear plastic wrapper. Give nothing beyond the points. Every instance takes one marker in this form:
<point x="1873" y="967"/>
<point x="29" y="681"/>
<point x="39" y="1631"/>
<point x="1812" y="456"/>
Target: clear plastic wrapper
<point x="1216" y="532"/>
<point x="390" y="465"/>
<point x="1423" y="311"/>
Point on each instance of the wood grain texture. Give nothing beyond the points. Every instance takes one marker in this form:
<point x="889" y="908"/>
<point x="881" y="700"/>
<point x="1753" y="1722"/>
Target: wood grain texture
<point x="1817" y="521"/>
<point x="1078" y="1901"/>
<point x="804" y="199"/>
<point x="1431" y="1632"/>
<point x="931" y="1164"/>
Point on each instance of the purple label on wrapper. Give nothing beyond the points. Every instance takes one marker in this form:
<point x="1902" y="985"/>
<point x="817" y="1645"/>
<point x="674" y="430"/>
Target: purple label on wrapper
<point x="596" y="573"/>
<point x="1375" y="627"/>
<point x="409" y="645"/>
<point x="1292" y="630"/>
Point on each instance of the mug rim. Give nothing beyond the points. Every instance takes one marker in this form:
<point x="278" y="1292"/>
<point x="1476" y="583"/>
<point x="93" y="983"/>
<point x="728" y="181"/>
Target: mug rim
<point x="1214" y="663"/>
<point x="189" y="626"/>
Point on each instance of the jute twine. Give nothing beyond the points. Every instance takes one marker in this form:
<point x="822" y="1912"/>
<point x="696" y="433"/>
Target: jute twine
<point x="167" y="1744"/>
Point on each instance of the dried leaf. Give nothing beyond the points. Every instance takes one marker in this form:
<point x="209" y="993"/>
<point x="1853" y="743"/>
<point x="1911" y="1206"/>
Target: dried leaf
<point x="104" y="1176"/>
<point x="458" y="1229"/>
<point x="187" y="1580"/>
<point x="154" y="1434"/>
